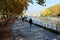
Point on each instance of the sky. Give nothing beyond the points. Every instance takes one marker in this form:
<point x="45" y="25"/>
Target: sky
<point x="35" y="8"/>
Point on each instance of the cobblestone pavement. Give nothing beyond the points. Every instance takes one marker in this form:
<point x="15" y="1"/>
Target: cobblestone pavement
<point x="22" y="31"/>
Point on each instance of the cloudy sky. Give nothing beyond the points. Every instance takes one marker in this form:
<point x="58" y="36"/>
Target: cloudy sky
<point x="35" y="8"/>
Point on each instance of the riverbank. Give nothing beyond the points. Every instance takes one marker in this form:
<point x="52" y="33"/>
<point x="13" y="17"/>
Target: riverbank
<point x="50" y="25"/>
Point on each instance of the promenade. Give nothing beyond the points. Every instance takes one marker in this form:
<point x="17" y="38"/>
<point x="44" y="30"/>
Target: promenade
<point x="22" y="31"/>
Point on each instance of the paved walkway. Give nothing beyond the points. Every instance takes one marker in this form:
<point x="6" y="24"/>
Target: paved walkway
<point x="22" y="31"/>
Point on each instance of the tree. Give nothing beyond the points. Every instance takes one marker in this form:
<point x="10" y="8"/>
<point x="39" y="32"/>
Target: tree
<point x="16" y="6"/>
<point x="53" y="11"/>
<point x="41" y="2"/>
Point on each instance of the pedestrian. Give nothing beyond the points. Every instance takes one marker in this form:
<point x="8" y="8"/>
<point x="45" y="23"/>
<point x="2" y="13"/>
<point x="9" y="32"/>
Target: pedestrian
<point x="23" y="19"/>
<point x="30" y="22"/>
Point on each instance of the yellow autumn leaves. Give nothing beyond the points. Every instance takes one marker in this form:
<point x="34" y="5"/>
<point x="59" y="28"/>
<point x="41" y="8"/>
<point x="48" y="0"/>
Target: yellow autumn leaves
<point x="52" y="11"/>
<point x="46" y="12"/>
